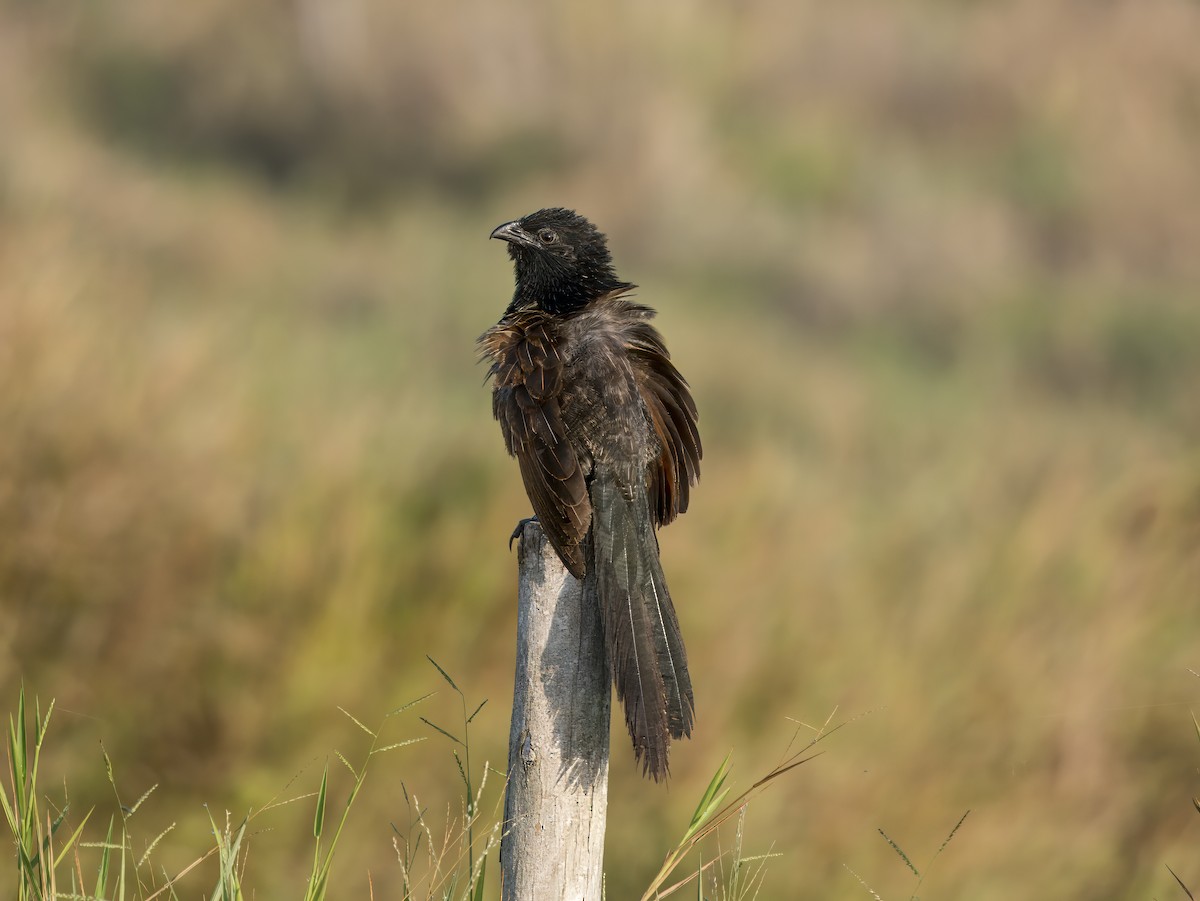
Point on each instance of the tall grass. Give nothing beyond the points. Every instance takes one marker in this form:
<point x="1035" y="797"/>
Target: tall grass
<point x="449" y="867"/>
<point x="34" y="827"/>
<point x="51" y="866"/>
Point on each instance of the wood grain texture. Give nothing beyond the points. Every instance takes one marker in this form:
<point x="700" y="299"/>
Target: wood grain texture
<point x="557" y="794"/>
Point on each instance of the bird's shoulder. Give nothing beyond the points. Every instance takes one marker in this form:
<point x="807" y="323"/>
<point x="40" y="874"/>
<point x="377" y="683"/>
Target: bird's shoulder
<point x="523" y="350"/>
<point x="616" y="313"/>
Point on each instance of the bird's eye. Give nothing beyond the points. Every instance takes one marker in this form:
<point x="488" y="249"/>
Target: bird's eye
<point x="546" y="236"/>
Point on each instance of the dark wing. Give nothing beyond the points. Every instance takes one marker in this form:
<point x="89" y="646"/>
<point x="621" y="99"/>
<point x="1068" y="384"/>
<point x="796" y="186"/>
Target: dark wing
<point x="673" y="415"/>
<point x="527" y="382"/>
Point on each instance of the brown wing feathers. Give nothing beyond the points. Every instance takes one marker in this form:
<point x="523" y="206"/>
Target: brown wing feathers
<point x="673" y="415"/>
<point x="527" y="371"/>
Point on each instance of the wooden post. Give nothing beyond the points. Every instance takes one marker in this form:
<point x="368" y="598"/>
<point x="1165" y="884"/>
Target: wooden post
<point x="557" y="796"/>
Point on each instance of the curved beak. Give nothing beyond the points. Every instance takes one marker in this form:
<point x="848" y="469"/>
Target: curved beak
<point x="512" y="233"/>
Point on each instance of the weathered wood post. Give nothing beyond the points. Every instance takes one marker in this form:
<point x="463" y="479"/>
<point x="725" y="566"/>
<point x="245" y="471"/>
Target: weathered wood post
<point x="557" y="796"/>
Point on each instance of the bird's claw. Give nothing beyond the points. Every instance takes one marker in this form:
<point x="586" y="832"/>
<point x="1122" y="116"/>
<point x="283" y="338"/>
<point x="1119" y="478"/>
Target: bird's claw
<point x="519" y="529"/>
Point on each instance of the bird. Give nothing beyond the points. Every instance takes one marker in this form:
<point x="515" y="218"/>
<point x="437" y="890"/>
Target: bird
<point x="604" y="429"/>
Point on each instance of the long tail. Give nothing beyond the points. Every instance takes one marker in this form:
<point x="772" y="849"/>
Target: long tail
<point x="641" y="632"/>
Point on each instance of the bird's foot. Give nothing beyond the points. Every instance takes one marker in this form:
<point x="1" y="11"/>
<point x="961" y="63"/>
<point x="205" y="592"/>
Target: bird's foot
<point x="519" y="529"/>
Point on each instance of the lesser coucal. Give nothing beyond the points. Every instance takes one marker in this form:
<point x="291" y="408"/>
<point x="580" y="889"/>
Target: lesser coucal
<point x="604" y="428"/>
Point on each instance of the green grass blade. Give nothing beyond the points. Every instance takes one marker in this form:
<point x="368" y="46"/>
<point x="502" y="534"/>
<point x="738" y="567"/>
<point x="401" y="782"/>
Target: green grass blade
<point x="477" y="709"/>
<point x="102" y="871"/>
<point x="445" y="675"/>
<point x="17" y="750"/>
<point x="900" y="851"/>
<point x="953" y="831"/>
<point x="319" y="817"/>
<point x="714" y="786"/>
<point x="10" y="813"/>
<point x="711" y="800"/>
<point x="70" y="843"/>
<point x="453" y="738"/>
<point x="477" y="895"/>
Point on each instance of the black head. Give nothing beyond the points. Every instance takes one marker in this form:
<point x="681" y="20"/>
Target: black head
<point x="561" y="259"/>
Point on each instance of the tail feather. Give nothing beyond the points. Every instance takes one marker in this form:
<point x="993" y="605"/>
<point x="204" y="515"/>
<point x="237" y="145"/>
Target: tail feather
<point x="645" y="647"/>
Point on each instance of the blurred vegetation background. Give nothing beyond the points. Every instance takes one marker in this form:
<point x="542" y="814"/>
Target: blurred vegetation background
<point x="933" y="270"/>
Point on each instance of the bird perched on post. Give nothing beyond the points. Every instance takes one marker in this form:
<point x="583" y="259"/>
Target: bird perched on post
<point x="604" y="428"/>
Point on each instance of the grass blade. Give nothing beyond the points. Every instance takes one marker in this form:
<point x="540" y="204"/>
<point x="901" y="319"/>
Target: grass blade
<point x="319" y="817"/>
<point x="445" y="675"/>
<point x="1186" y="890"/>
<point x="900" y="851"/>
